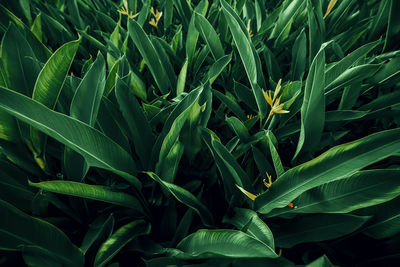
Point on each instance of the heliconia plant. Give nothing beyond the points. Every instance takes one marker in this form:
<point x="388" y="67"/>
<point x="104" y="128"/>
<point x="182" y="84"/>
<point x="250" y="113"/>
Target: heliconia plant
<point x="190" y="133"/>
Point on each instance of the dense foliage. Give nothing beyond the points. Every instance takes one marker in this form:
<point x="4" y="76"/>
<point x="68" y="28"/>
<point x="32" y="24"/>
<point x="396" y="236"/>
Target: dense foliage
<point x="230" y="132"/>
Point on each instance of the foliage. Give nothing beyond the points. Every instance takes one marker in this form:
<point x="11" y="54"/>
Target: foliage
<point x="227" y="132"/>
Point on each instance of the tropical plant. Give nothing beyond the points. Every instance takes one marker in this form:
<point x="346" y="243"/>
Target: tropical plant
<point x="226" y="132"/>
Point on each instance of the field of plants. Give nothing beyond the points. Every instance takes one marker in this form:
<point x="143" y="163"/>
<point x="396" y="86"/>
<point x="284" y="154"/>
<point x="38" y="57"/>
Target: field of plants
<point x="200" y="133"/>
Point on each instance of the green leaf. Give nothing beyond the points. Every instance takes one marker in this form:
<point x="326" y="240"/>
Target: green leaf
<point x="36" y="27"/>
<point x="228" y="243"/>
<point x="150" y="55"/>
<point x="119" y="239"/>
<point x="250" y="58"/>
<point x="185" y="197"/>
<point x="218" y="67"/>
<point x="239" y="128"/>
<point x="192" y="33"/>
<point x="287" y="14"/>
<point x="169" y="168"/>
<point x="19" y="61"/>
<point x="322" y="261"/>
<point x="337" y="163"/>
<point x="231" y="104"/>
<point x="385" y="220"/>
<point x="22" y="229"/>
<point x="182" y="113"/>
<point x="85" y="106"/>
<point x="336" y="69"/>
<point x="50" y="82"/>
<point x="99" y="229"/>
<point x="111" y="78"/>
<point x="254" y="226"/>
<point x="344" y="115"/>
<point x="319" y="227"/>
<point x="276" y="160"/>
<point x="14" y="187"/>
<point x="231" y="172"/>
<point x="140" y="130"/>
<point x="180" y="85"/>
<point x="95" y="192"/>
<point x="86" y="102"/>
<point x="360" y="190"/>
<point x="98" y="150"/>
<point x="313" y="107"/>
<point x="209" y="35"/>
<point x="352" y="76"/>
<point x="316" y="27"/>
<point x="299" y="53"/>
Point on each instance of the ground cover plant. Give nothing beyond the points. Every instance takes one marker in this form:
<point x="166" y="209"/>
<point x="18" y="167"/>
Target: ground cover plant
<point x="230" y="132"/>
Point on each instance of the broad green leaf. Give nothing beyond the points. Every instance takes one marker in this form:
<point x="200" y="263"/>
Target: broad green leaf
<point x="245" y="95"/>
<point x="185" y="197"/>
<point x="169" y="168"/>
<point x="110" y="125"/>
<point x="231" y="172"/>
<point x="313" y="107"/>
<point x="119" y="239"/>
<point x="322" y="261"/>
<point x="180" y="85"/>
<point x="337" y="163"/>
<point x="8" y="127"/>
<point x="14" y="187"/>
<point x="231" y="104"/>
<point x="95" y="192"/>
<point x="249" y="57"/>
<point x="344" y="115"/>
<point x="351" y="76"/>
<point x="273" y="67"/>
<point x="98" y="150"/>
<point x="316" y="30"/>
<point x="314" y="228"/>
<point x="52" y="76"/>
<point x="393" y="25"/>
<point x="287" y="13"/>
<point x="49" y="84"/>
<point x="99" y="229"/>
<point x="261" y="161"/>
<point x="276" y="160"/>
<point x="239" y="128"/>
<point x="225" y="243"/>
<point x="150" y="55"/>
<point x="249" y="222"/>
<point x="162" y="47"/>
<point x="385" y="220"/>
<point x="360" y="190"/>
<point x="140" y="130"/>
<point x="19" y="61"/>
<point x="218" y="67"/>
<point x="111" y="78"/>
<point x="40" y="50"/>
<point x="192" y="33"/>
<point x="36" y="27"/>
<point x="36" y="256"/>
<point x="84" y="107"/>
<point x="379" y="21"/>
<point x="209" y="35"/>
<point x="73" y="10"/>
<point x="388" y="71"/>
<point x="22" y="229"/>
<point x="86" y="102"/>
<point x="175" y="123"/>
<point x="299" y="53"/>
<point x="336" y="69"/>
<point x="184" y="10"/>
